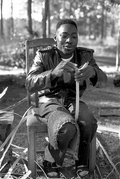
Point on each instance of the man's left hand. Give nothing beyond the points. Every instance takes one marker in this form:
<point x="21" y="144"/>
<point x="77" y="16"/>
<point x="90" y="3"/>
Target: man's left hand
<point x="84" y="74"/>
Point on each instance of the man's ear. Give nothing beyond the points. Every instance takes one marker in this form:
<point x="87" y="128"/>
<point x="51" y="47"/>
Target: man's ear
<point x="54" y="38"/>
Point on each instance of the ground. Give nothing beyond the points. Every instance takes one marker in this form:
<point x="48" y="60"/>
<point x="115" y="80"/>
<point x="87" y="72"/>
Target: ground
<point x="96" y="98"/>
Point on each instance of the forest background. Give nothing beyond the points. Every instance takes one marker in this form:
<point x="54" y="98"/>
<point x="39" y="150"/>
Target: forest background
<point x="98" y="25"/>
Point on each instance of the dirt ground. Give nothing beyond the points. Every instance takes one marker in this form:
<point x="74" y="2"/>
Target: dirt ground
<point x="96" y="98"/>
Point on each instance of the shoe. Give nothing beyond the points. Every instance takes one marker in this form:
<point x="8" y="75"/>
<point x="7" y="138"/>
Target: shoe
<point x="51" y="169"/>
<point x="81" y="170"/>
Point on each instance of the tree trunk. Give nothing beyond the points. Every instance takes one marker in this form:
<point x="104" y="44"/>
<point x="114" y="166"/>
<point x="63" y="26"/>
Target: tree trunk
<point x="12" y="20"/>
<point x="29" y="12"/>
<point x="102" y="21"/>
<point x="1" y="32"/>
<point x="117" y="51"/>
<point x="113" y="29"/>
<point x="45" y="19"/>
<point x="48" y="16"/>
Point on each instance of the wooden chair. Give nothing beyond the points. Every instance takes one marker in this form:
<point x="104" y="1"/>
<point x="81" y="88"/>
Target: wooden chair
<point x="33" y="126"/>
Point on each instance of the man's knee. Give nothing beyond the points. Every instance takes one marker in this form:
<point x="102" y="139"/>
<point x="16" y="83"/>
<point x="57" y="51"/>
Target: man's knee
<point x="87" y="118"/>
<point x="67" y="131"/>
<point x="86" y="115"/>
<point x="70" y="129"/>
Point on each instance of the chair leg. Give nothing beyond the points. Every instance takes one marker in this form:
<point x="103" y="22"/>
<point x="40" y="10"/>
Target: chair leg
<point x="32" y="150"/>
<point x="92" y="154"/>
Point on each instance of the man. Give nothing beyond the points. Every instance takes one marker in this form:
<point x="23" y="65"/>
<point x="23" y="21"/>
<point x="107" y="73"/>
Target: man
<point x="54" y="73"/>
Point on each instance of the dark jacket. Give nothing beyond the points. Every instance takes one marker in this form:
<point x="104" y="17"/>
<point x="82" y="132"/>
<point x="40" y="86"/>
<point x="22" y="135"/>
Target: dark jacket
<point x="40" y="79"/>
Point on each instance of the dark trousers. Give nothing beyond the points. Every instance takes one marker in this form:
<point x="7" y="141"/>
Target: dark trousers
<point x="87" y="124"/>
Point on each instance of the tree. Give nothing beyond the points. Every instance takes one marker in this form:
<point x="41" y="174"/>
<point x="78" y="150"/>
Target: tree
<point x="29" y="13"/>
<point x="102" y="20"/>
<point x="115" y="2"/>
<point x="2" y="34"/>
<point x="116" y="13"/>
<point x="46" y="19"/>
<point x="12" y="20"/>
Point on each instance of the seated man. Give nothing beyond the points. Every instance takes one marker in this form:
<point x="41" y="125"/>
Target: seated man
<point x="54" y="73"/>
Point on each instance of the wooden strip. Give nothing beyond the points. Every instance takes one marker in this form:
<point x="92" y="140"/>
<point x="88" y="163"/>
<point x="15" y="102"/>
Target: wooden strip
<point x="115" y="129"/>
<point x="6" y="119"/>
<point x="3" y="93"/>
<point x="40" y="42"/>
<point x="108" y="158"/>
<point x="14" y="164"/>
<point x="11" y="135"/>
<point x="26" y="175"/>
<point x="109" y="112"/>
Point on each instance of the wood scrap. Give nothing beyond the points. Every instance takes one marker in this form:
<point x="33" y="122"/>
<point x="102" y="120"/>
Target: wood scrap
<point x="3" y="93"/>
<point x="6" y="117"/>
<point x="14" y="164"/>
<point x="108" y="158"/>
<point x="109" y="112"/>
<point x="12" y="135"/>
<point x="109" y="128"/>
<point x="26" y="175"/>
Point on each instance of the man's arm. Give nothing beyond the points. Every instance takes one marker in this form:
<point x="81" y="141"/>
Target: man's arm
<point x="99" y="79"/>
<point x="92" y="72"/>
<point x="38" y="79"/>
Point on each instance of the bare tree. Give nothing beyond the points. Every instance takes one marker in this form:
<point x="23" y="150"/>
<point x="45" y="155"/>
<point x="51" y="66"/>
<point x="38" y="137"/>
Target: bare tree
<point x="12" y="20"/>
<point x="48" y="16"/>
<point x="102" y="21"/>
<point x="29" y="12"/>
<point x="1" y="32"/>
<point x="46" y="19"/>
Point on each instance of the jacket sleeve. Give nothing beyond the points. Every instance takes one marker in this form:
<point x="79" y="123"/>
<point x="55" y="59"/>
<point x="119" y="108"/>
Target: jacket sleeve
<point x="100" y="78"/>
<point x="38" y="78"/>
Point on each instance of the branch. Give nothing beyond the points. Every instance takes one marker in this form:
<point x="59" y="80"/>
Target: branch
<point x="4" y="92"/>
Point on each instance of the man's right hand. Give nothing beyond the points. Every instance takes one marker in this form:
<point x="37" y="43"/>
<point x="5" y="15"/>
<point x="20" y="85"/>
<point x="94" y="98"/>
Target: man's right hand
<point x="63" y="65"/>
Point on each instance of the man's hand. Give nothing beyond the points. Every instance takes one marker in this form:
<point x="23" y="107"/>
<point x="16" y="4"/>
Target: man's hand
<point x="84" y="74"/>
<point x="61" y="67"/>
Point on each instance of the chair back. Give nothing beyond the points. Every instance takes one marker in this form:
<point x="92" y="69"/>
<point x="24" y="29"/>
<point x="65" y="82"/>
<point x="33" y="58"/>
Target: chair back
<point x="31" y="46"/>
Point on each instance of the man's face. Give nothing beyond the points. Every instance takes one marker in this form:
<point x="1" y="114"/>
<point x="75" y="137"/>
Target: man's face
<point x="67" y="39"/>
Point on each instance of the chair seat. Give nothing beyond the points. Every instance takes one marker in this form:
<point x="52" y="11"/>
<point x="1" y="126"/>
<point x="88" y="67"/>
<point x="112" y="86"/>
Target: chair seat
<point x="34" y="121"/>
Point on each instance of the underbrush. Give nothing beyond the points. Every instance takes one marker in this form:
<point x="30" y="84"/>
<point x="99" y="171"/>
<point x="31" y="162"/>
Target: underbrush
<point x="12" y="52"/>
